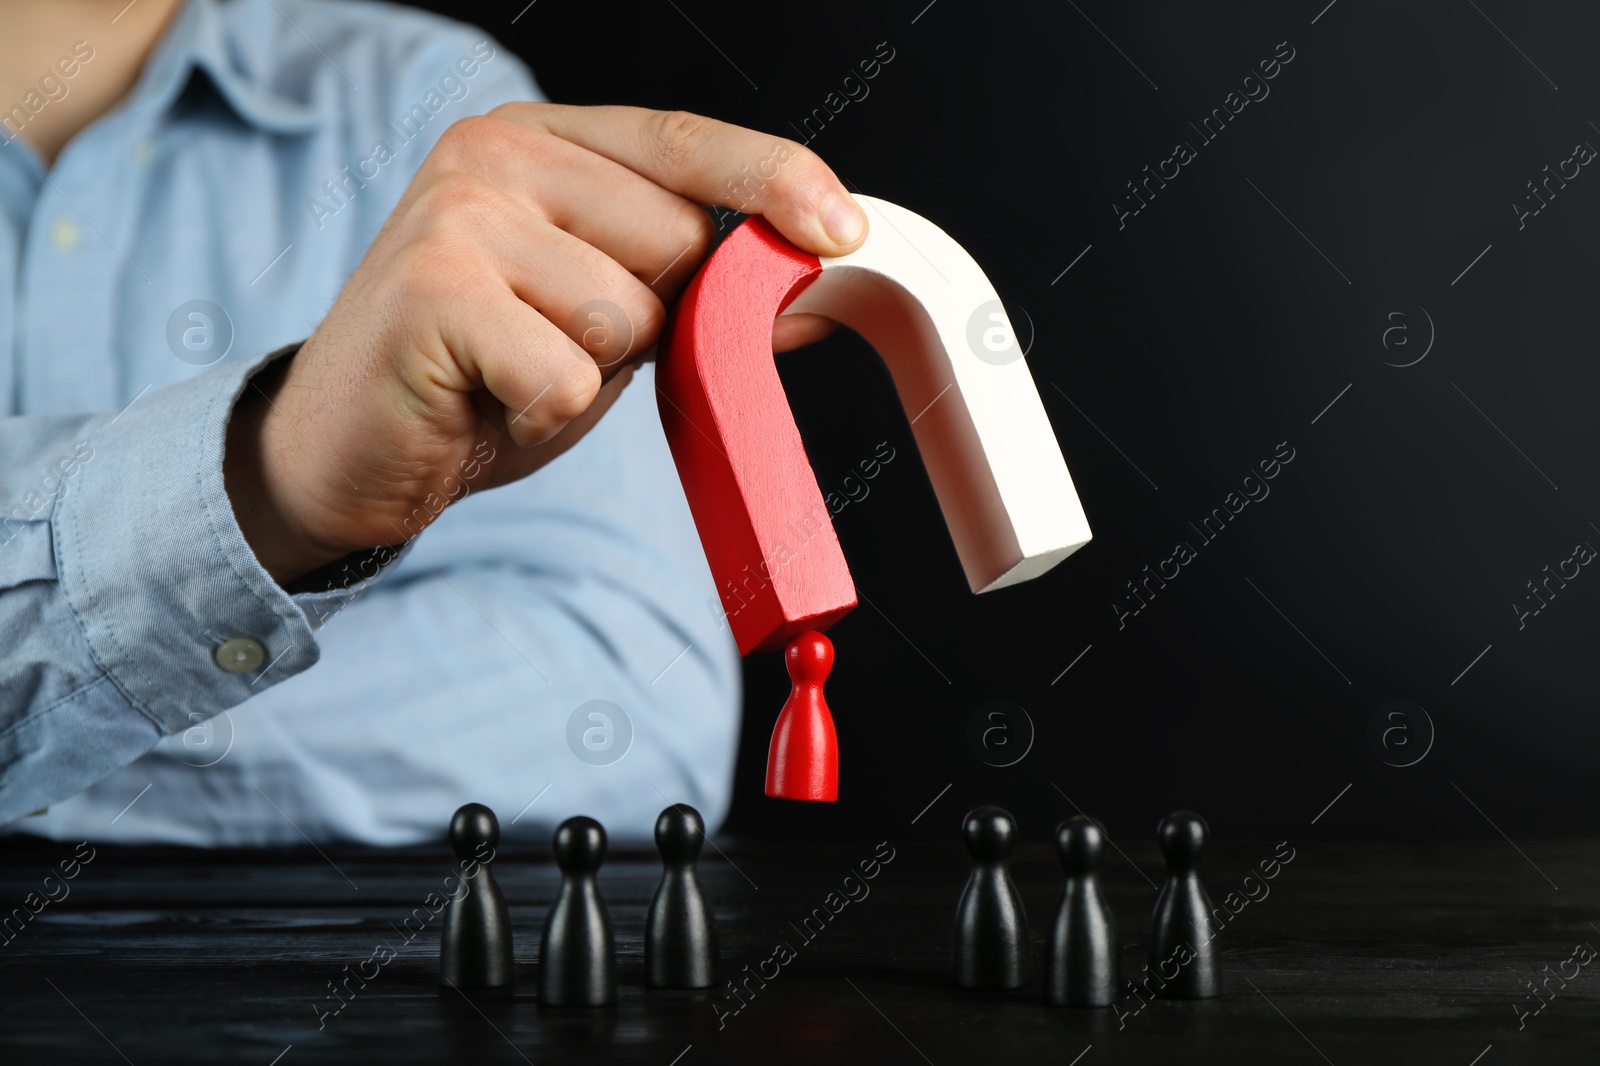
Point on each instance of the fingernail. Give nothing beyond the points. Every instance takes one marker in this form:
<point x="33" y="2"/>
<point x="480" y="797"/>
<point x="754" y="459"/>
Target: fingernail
<point x="843" y="219"/>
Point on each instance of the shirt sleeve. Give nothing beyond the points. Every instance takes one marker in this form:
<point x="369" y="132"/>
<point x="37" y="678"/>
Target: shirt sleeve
<point x="131" y="607"/>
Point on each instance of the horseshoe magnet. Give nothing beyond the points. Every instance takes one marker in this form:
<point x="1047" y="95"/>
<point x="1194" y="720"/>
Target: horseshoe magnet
<point x="936" y="321"/>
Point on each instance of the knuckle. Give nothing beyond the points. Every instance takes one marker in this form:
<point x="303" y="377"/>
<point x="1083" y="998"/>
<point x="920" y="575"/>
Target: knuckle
<point x="785" y="151"/>
<point x="782" y="173"/>
<point x="645" y="319"/>
<point x="456" y="207"/>
<point x="472" y="142"/>
<point x="571" y="394"/>
<point x="447" y="194"/>
<point x="692" y="234"/>
<point x="804" y="174"/>
<point x="501" y="138"/>
<point x="616" y="326"/>
<point x="674" y="136"/>
<point x="518" y="110"/>
<point x="457" y="143"/>
<point x="675" y="246"/>
<point x="648" y="322"/>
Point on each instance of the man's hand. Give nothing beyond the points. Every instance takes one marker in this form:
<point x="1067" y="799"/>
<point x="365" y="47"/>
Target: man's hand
<point x="470" y="348"/>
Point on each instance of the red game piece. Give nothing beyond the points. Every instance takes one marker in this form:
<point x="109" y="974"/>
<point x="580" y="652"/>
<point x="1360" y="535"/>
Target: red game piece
<point x="803" y="759"/>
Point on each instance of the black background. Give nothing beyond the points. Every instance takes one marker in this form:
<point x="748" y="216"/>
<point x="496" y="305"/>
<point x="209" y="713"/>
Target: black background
<point x="1173" y="356"/>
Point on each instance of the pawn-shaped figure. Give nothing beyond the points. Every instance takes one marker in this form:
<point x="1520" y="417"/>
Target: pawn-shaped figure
<point x="475" y="942"/>
<point x="578" y="958"/>
<point x="803" y="758"/>
<point x="991" y="939"/>
<point x="1081" y="955"/>
<point x="680" y="940"/>
<point x="1183" y="957"/>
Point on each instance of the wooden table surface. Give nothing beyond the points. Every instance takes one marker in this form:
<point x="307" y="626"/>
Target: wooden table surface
<point x="1356" y="953"/>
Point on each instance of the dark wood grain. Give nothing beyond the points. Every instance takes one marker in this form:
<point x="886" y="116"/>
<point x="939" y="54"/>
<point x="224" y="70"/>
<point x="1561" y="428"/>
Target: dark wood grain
<point x="1357" y="954"/>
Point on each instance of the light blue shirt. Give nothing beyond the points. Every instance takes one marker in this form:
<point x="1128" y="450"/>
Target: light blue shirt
<point x="245" y="170"/>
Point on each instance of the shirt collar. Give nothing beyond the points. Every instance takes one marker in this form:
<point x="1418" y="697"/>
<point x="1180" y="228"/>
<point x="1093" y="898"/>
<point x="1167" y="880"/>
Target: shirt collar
<point x="232" y="44"/>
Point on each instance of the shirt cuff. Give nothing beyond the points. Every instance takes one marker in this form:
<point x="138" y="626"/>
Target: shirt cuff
<point x="176" y="610"/>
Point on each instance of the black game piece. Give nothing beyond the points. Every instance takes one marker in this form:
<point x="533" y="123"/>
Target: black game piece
<point x="578" y="958"/>
<point x="991" y="939"/>
<point x="1081" y="955"/>
<point x="1183" y="957"/>
<point x="680" y="939"/>
<point x="475" y="942"/>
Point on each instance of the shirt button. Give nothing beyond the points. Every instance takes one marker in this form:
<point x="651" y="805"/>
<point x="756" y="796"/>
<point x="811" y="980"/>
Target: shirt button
<point x="143" y="152"/>
<point x="64" y="235"/>
<point x="240" y="655"/>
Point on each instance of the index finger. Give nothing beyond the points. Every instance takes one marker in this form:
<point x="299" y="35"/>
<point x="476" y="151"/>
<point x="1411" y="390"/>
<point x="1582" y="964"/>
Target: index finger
<point x="713" y="162"/>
